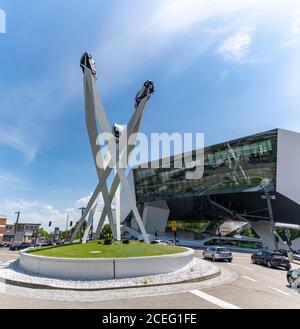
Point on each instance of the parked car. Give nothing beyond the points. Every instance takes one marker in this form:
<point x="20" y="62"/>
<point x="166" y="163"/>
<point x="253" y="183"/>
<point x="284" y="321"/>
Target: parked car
<point x="44" y="244"/>
<point x="160" y="242"/>
<point x="296" y="257"/>
<point x="20" y="246"/>
<point x="284" y="252"/>
<point x="271" y="259"/>
<point x="292" y="276"/>
<point x="217" y="253"/>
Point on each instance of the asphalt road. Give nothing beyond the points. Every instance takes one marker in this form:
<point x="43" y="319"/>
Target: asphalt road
<point x="255" y="287"/>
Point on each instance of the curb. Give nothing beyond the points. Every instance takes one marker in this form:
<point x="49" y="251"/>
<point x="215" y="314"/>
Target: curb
<point x="30" y="285"/>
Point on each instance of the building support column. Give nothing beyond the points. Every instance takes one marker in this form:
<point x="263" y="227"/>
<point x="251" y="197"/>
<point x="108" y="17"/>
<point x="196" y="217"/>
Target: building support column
<point x="265" y="231"/>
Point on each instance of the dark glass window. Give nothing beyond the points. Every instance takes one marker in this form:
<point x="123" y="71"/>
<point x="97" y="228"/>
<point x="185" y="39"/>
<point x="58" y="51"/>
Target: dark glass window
<point x="244" y="165"/>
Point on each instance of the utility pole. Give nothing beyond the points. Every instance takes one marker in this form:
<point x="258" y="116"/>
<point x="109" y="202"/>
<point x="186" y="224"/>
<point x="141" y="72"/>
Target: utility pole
<point x="91" y="232"/>
<point x="268" y="198"/>
<point x="16" y="225"/>
<point x="82" y="211"/>
<point x="66" y="235"/>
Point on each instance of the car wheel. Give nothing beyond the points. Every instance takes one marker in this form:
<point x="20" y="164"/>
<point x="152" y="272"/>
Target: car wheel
<point x="230" y="260"/>
<point x="268" y="263"/>
<point x="253" y="260"/>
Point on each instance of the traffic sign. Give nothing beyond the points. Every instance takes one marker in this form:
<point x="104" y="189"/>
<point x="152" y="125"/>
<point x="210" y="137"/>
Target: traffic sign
<point x="174" y="226"/>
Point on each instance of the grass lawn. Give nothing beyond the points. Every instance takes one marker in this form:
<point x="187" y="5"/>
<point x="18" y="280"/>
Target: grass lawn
<point x="95" y="250"/>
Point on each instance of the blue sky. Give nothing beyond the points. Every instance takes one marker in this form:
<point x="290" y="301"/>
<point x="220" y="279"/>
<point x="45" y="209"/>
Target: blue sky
<point x="224" y="68"/>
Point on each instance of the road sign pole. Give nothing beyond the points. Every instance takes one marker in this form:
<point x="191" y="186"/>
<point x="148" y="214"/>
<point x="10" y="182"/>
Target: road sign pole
<point x="174" y="229"/>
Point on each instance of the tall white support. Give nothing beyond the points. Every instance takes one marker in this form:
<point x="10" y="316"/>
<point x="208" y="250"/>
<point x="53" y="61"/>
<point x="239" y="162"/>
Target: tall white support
<point x="122" y="141"/>
<point x="118" y="204"/>
<point x="89" y="224"/>
<point x="91" y="124"/>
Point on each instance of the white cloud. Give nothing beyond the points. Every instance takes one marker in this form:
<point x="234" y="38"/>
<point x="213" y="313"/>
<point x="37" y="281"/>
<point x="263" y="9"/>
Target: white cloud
<point x="9" y="179"/>
<point x="19" y="204"/>
<point x="39" y="212"/>
<point x="14" y="138"/>
<point x="2" y="21"/>
<point x="236" y="47"/>
<point x="149" y="32"/>
<point x="83" y="201"/>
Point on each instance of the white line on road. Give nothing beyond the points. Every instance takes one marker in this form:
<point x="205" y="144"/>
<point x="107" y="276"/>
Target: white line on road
<point x="214" y="300"/>
<point x="282" y="292"/>
<point x="250" y="279"/>
<point x="244" y="267"/>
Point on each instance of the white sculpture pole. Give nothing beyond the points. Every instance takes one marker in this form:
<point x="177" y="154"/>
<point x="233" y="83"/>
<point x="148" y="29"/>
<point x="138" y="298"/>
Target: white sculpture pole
<point x="89" y="223"/>
<point x="132" y="128"/>
<point x="91" y="124"/>
<point x="120" y="142"/>
<point x="118" y="203"/>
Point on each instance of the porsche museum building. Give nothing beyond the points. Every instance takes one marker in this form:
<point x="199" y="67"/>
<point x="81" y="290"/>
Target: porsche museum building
<point x="236" y="176"/>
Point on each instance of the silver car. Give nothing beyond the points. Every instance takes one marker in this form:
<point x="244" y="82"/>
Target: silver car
<point x="217" y="253"/>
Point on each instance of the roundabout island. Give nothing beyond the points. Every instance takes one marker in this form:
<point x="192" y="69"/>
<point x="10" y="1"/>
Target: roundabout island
<point x="97" y="261"/>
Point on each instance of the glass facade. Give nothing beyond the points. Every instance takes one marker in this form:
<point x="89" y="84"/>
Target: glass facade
<point x="244" y="165"/>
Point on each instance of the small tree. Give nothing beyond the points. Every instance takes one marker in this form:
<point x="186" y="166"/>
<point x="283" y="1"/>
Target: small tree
<point x="106" y="231"/>
<point x="43" y="233"/>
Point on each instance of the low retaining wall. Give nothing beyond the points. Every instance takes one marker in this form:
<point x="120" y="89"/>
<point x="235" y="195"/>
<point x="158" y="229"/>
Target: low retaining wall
<point x="104" y="268"/>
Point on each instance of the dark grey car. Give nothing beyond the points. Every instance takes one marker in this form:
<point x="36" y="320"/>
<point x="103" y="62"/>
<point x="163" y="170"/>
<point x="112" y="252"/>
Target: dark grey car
<point x="271" y="259"/>
<point x="20" y="246"/>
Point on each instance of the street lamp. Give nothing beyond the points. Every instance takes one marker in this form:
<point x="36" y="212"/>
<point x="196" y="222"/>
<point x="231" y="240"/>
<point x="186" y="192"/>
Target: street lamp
<point x="268" y="197"/>
<point x="66" y="234"/>
<point x="16" y="225"/>
<point x="82" y="228"/>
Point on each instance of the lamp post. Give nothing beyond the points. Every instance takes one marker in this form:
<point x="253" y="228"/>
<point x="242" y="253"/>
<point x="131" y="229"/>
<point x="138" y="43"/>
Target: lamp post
<point x="66" y="235"/>
<point x="268" y="198"/>
<point x="91" y="233"/>
<point x="16" y="225"/>
<point x="82" y="211"/>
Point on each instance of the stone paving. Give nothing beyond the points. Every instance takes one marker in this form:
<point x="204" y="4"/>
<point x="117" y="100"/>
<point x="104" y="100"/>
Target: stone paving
<point x="198" y="270"/>
<point x="226" y="276"/>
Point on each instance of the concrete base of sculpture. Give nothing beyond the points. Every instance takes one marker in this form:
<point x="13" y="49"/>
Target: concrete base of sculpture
<point x="104" y="268"/>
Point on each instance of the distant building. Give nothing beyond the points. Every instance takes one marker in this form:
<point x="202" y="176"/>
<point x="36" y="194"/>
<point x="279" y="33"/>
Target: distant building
<point x="25" y="232"/>
<point x="3" y="221"/>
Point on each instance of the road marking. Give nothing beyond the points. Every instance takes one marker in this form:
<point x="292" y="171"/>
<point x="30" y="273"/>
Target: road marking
<point x="250" y="279"/>
<point x="244" y="267"/>
<point x="282" y="292"/>
<point x="214" y="300"/>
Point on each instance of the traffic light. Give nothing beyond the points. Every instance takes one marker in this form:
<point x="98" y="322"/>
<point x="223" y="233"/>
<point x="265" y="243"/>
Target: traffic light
<point x="71" y="224"/>
<point x="50" y="224"/>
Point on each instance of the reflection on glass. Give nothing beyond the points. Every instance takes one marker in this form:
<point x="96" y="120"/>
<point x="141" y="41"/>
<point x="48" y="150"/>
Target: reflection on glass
<point x="244" y="165"/>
